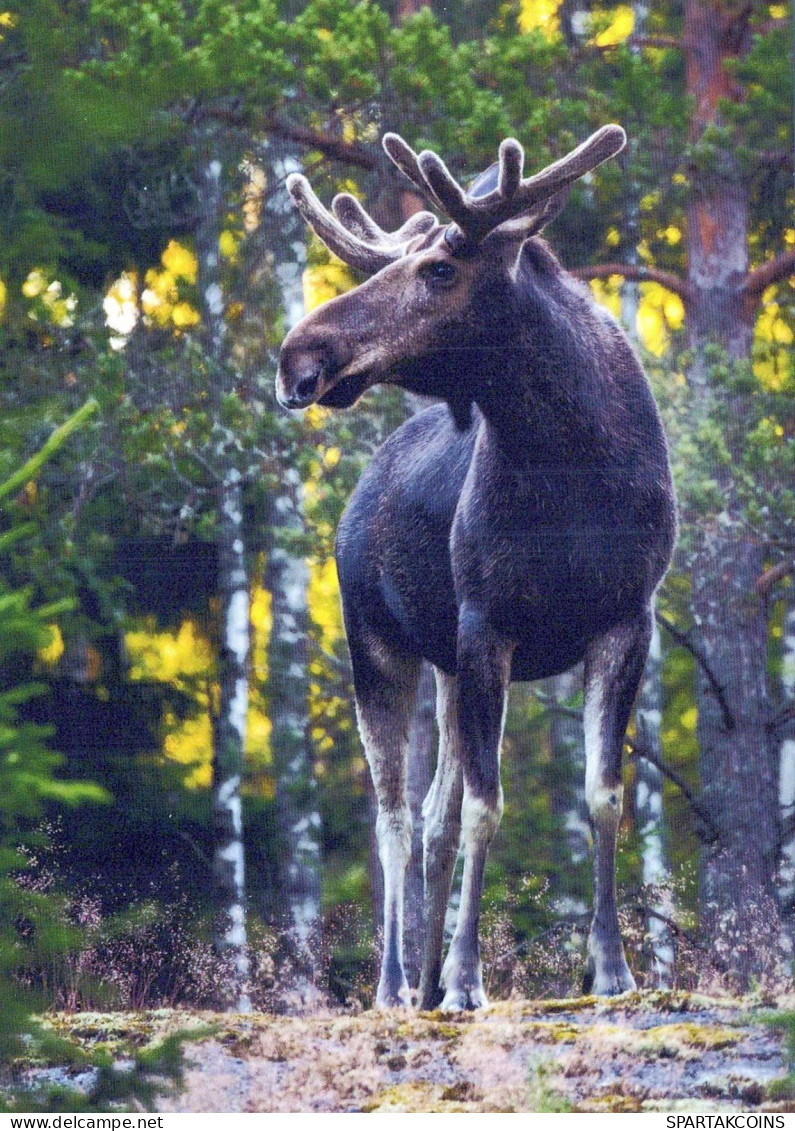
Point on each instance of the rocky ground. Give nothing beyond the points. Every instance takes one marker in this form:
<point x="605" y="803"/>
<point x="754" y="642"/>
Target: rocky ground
<point x="652" y="1051"/>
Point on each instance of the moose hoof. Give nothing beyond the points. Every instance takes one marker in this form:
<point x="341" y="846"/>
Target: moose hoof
<point x="458" y="1000"/>
<point x="610" y="981"/>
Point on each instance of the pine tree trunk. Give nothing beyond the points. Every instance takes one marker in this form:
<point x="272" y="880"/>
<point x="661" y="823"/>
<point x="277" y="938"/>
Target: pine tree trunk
<point x="786" y="773"/>
<point x="740" y="916"/>
<point x="229" y="730"/>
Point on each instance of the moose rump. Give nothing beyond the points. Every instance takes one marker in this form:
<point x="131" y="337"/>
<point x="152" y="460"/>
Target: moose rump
<point x="507" y="534"/>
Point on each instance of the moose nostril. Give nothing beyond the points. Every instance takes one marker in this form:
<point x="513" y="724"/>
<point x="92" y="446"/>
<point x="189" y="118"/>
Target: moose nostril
<point x="306" y="386"/>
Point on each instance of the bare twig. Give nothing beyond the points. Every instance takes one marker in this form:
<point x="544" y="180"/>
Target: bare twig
<point x="336" y="148"/>
<point x="709" y="832"/>
<point x="686" y="641"/>
<point x="339" y="666"/>
<point x="194" y="847"/>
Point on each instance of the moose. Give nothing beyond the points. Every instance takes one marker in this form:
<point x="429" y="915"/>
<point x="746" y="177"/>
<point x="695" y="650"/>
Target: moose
<point x="516" y="527"/>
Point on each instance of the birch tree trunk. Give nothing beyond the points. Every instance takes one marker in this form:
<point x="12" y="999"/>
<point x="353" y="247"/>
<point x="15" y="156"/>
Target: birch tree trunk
<point x="287" y="580"/>
<point x="230" y="738"/>
<point x="422" y="757"/>
<point x="648" y="716"/>
<point x="229" y="730"/>
<point x="649" y="813"/>
<point x="739" y="766"/>
<point x="567" y="743"/>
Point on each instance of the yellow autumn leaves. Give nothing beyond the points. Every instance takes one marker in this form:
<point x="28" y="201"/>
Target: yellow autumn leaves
<point x="183" y="658"/>
<point x="165" y="300"/>
<point x="616" y="25"/>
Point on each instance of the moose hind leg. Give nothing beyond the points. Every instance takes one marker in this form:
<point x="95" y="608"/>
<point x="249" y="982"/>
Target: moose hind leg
<point x="441" y="834"/>
<point x="484" y="661"/>
<point x="386" y="687"/>
<point x="613" y="668"/>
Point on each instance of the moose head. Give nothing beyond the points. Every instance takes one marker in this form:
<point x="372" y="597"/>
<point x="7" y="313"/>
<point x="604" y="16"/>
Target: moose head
<point x="437" y="281"/>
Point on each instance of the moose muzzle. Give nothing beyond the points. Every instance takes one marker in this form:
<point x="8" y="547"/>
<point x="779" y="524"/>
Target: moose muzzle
<point x="300" y="379"/>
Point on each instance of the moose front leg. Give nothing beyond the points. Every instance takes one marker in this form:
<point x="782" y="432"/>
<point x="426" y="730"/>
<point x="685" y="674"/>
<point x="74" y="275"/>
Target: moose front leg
<point x="484" y="661"/>
<point x="385" y="694"/>
<point x="613" y="667"/>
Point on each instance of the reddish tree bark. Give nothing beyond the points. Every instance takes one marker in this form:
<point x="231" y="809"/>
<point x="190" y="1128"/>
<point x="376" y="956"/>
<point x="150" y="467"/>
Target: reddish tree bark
<point x="740" y="915"/>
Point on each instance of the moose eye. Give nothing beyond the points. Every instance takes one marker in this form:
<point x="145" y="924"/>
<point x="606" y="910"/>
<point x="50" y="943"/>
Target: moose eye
<point x="439" y="274"/>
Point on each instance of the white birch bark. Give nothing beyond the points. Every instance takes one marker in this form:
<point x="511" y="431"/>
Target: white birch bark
<point x="568" y="795"/>
<point x="287" y="579"/>
<point x="649" y="781"/>
<point x="649" y="815"/>
<point x="229" y="731"/>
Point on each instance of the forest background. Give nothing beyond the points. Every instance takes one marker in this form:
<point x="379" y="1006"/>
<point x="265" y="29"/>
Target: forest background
<point x="186" y="814"/>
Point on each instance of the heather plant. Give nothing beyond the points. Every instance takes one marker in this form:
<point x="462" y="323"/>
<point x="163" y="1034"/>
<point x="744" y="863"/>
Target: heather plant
<point x="125" y="952"/>
<point x="149" y="954"/>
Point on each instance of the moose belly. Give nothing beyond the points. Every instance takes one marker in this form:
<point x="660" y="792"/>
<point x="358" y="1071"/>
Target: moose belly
<point x="558" y="596"/>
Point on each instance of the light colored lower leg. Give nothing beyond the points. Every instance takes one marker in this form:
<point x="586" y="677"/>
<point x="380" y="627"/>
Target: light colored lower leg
<point x="441" y="835"/>
<point x="462" y="976"/>
<point x="384" y="734"/>
<point x="393" y="831"/>
<point x="607" y="971"/>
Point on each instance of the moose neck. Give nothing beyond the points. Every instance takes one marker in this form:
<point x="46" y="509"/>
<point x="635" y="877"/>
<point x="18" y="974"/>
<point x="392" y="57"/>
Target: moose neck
<point x="530" y="382"/>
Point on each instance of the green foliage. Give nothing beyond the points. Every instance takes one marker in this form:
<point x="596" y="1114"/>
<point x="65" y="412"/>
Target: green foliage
<point x="128" y="1079"/>
<point x="28" y="928"/>
<point x="784" y="1022"/>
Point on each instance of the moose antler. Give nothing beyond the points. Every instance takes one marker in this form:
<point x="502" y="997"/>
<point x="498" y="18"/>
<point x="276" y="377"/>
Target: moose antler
<point x="513" y="196"/>
<point x="350" y="233"/>
<point x="355" y="237"/>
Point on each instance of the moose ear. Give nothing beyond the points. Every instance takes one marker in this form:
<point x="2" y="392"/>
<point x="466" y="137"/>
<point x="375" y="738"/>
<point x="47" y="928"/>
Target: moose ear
<point x="533" y="223"/>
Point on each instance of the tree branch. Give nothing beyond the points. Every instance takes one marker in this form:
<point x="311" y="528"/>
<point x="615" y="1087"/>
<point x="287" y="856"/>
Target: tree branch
<point x="782" y="720"/>
<point x="706" y="829"/>
<point x="644" y="909"/>
<point x="768" y="273"/>
<point x="663" y="41"/>
<point x="336" y="665"/>
<point x="771" y="576"/>
<point x="638" y="272"/>
<point x="684" y="639"/>
<point x="336" y="148"/>
<point x="557" y="708"/>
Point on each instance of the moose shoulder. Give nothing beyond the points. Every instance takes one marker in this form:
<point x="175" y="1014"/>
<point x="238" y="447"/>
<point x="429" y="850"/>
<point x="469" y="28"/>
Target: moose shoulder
<point x="507" y="535"/>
